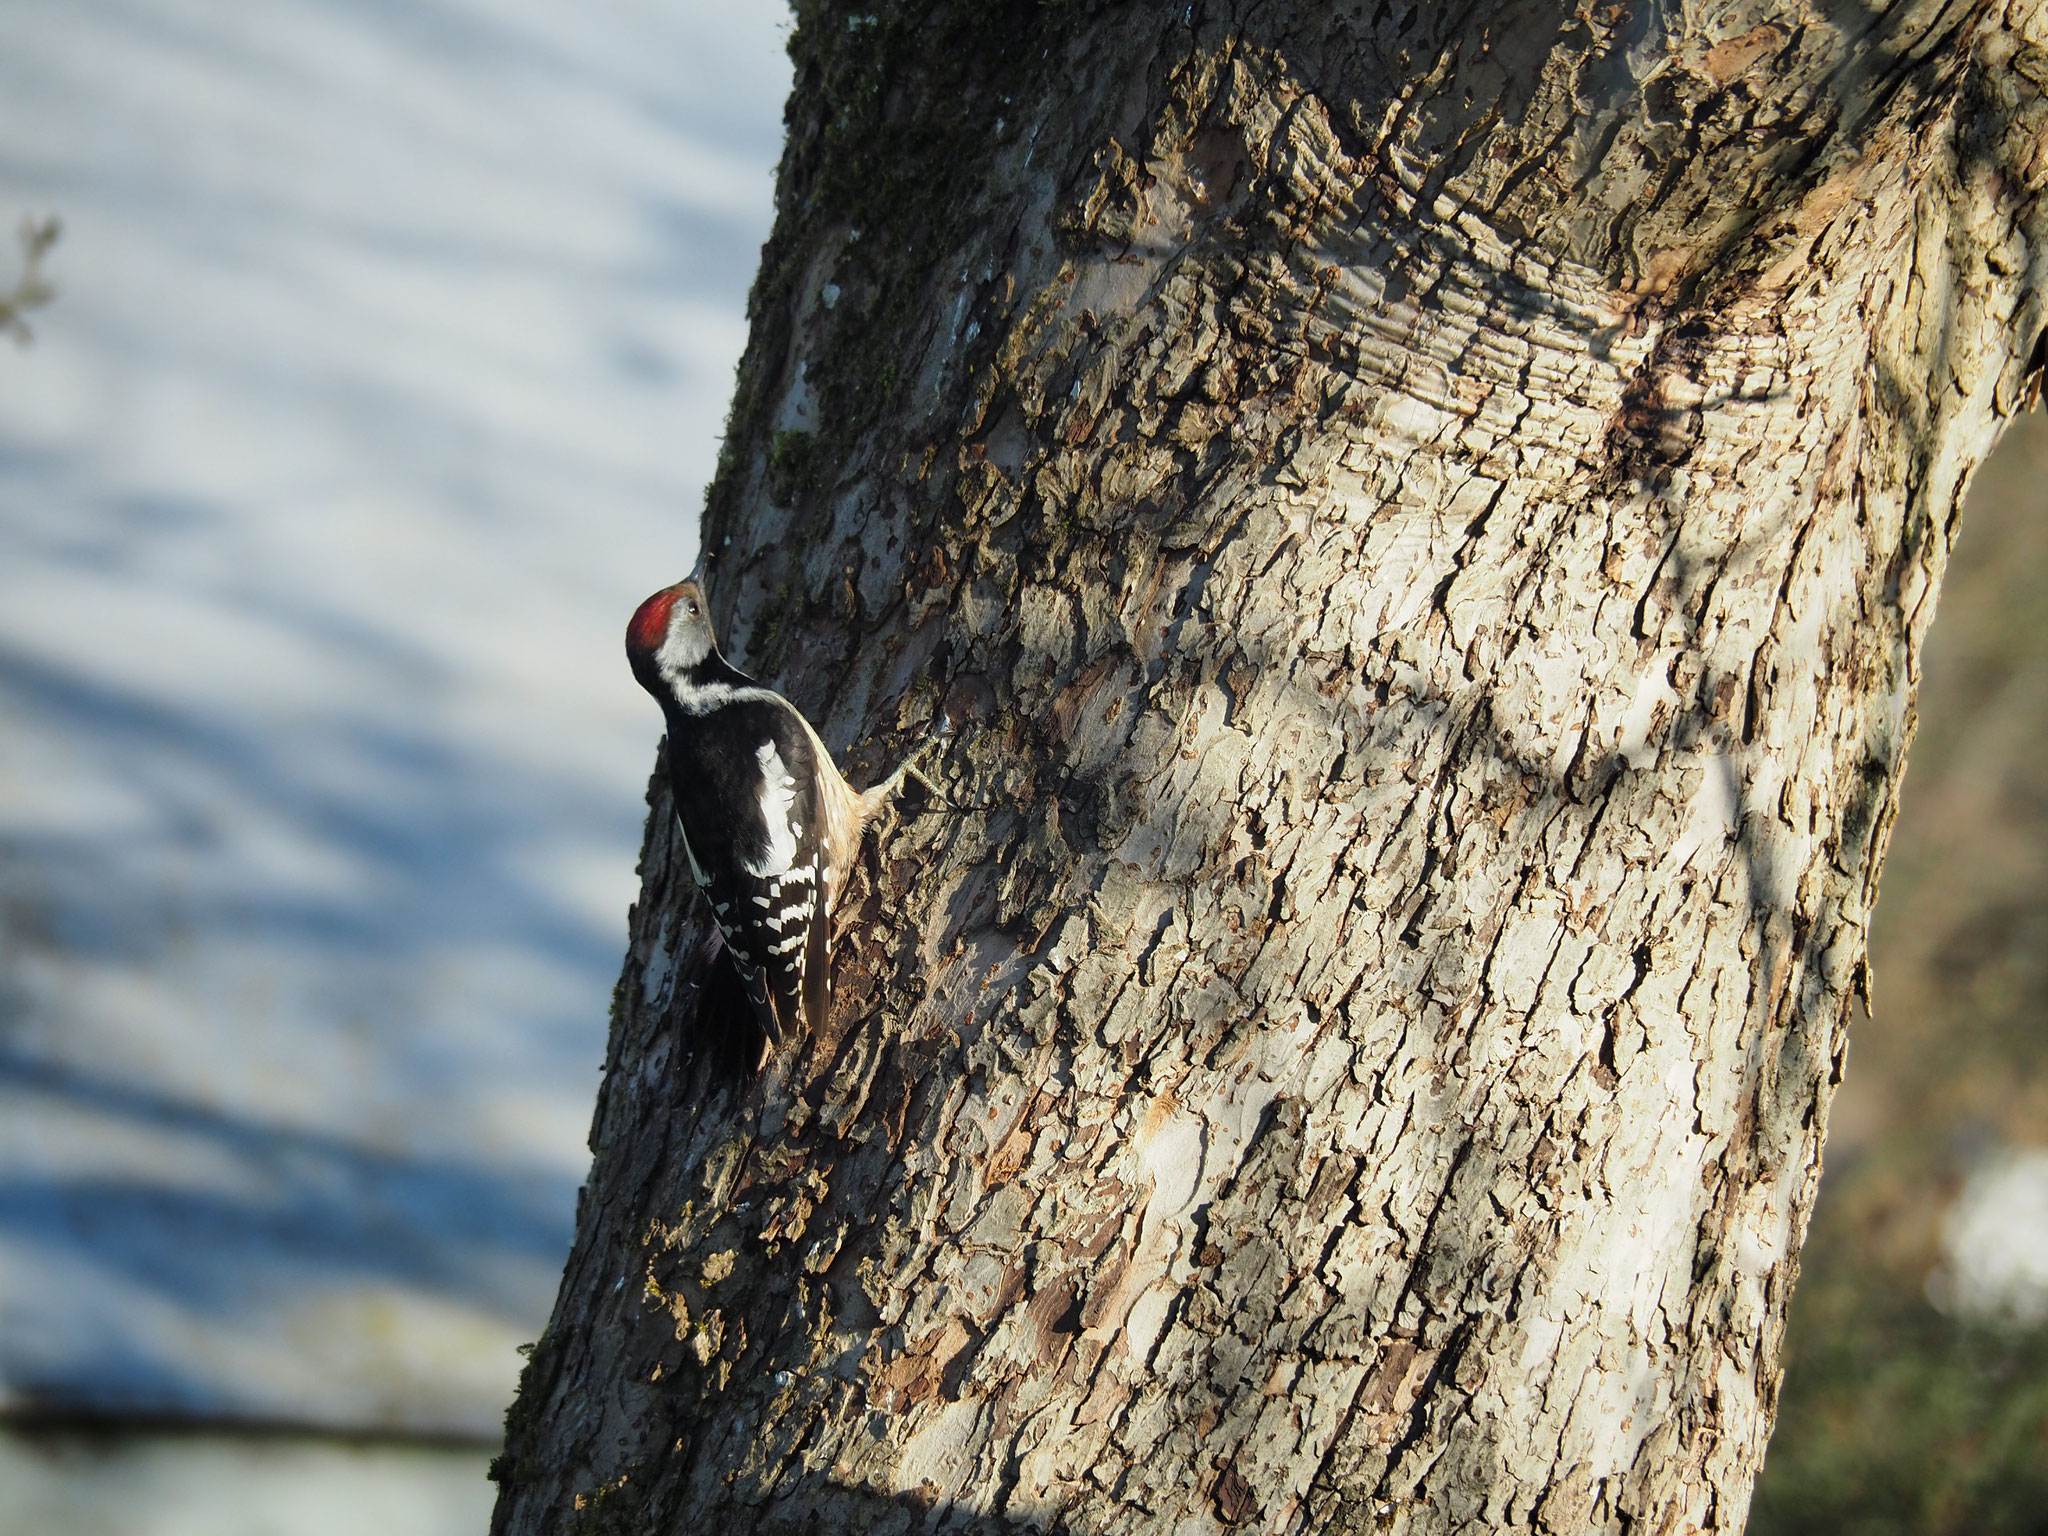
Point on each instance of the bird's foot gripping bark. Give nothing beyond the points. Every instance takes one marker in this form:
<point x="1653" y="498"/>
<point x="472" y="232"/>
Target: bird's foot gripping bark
<point x="872" y="801"/>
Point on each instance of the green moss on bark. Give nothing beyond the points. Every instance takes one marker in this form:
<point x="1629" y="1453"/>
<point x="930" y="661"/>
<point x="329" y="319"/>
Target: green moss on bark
<point x="895" y="110"/>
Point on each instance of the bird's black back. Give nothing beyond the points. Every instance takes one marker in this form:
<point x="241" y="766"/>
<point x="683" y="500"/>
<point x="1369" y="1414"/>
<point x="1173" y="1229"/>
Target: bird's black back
<point x="753" y="831"/>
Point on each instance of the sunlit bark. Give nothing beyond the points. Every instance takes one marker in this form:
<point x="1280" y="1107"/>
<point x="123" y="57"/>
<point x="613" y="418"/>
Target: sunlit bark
<point x="1422" y="521"/>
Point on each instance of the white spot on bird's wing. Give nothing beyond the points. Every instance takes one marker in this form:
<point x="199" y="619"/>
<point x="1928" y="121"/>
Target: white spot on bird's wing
<point x="777" y="799"/>
<point x="761" y="901"/>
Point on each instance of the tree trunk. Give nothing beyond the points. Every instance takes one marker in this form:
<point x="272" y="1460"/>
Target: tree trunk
<point x="1422" y="520"/>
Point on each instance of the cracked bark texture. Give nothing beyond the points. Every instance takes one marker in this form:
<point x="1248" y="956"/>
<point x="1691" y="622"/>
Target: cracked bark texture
<point x="1423" y="520"/>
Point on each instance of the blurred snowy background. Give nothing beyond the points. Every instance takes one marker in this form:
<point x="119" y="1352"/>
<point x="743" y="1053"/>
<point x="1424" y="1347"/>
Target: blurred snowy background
<point x="392" y="346"/>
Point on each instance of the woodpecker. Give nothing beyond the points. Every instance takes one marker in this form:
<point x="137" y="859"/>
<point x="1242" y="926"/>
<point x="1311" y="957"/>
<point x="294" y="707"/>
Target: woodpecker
<point x="769" y="826"/>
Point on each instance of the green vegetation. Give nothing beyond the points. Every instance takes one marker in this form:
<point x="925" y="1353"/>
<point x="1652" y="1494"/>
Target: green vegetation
<point x="1896" y="1420"/>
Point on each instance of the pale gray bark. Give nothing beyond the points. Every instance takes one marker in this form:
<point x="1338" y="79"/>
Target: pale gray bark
<point x="1423" y="523"/>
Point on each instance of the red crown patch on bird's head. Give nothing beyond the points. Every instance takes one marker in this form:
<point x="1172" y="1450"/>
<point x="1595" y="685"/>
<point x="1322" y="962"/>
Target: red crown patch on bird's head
<point x="650" y="622"/>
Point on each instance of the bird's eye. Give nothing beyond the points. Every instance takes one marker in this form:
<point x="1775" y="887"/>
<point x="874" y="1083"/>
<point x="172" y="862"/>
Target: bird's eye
<point x="693" y="610"/>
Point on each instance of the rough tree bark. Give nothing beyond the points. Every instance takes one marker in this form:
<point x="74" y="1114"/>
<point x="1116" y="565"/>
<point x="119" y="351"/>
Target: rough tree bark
<point x="1423" y="520"/>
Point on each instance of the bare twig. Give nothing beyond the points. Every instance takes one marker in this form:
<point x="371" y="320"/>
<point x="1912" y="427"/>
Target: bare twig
<point x="31" y="290"/>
